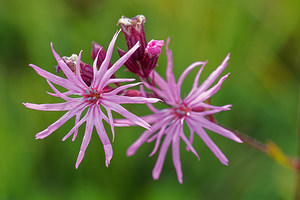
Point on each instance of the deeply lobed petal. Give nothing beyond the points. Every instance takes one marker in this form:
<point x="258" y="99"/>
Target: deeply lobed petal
<point x="119" y="109"/>
<point x="163" y="150"/>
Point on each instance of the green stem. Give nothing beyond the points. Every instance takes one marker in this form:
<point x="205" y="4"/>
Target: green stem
<point x="273" y="152"/>
<point x="298" y="172"/>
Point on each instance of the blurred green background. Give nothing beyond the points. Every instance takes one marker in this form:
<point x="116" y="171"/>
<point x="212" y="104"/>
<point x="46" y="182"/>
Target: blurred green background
<point x="263" y="37"/>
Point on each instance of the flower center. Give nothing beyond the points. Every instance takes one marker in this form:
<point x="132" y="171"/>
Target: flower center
<point x="181" y="110"/>
<point x="92" y="95"/>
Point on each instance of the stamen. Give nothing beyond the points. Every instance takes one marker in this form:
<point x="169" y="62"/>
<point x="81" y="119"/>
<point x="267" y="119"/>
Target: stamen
<point x="181" y="112"/>
<point x="92" y="94"/>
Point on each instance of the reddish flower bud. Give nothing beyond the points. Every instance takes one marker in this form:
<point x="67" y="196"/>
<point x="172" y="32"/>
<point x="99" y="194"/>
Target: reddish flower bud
<point x="70" y="61"/>
<point x="144" y="60"/>
<point x="131" y="64"/>
<point x="134" y="31"/>
<point x="151" y="56"/>
<point x="101" y="56"/>
<point x="86" y="71"/>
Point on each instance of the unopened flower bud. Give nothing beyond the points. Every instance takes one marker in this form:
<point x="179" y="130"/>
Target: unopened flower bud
<point x="144" y="59"/>
<point x="101" y="56"/>
<point x="154" y="47"/>
<point x="134" y="31"/>
<point x="70" y="61"/>
<point x="131" y="64"/>
<point x="151" y="55"/>
<point x="86" y="71"/>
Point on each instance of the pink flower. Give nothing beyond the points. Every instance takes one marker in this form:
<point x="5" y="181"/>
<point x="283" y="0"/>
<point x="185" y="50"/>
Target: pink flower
<point x="192" y="110"/>
<point x="90" y="97"/>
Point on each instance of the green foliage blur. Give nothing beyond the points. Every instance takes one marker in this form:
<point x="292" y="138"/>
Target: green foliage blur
<point x="263" y="37"/>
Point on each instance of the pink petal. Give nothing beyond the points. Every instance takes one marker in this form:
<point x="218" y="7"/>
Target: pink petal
<point x="169" y="73"/>
<point x="126" y="100"/>
<point x="119" y="109"/>
<point x="208" y="106"/>
<point x="56" y="79"/>
<point x="111" y="121"/>
<point x="149" y="119"/>
<point x="215" y="128"/>
<point x="158" y="138"/>
<point x="103" y="136"/>
<point x="105" y="63"/>
<point x="59" y="94"/>
<point x="165" y="91"/>
<point x="214" y="75"/>
<point x="186" y="72"/>
<point x="209" y="143"/>
<point x="77" y="118"/>
<point x="67" y="71"/>
<point x="87" y="136"/>
<point x="64" y="94"/>
<point x="53" y="127"/>
<point x="176" y="153"/>
<point x="103" y="68"/>
<point x="117" y="65"/>
<point x="121" y="88"/>
<point x="95" y="82"/>
<point x="202" y="96"/>
<point x="163" y="151"/>
<point x="142" y="139"/>
<point x="76" y="126"/>
<point x="195" y="84"/>
<point x="119" y="80"/>
<point x="158" y="80"/>
<point x="78" y="74"/>
<point x="188" y="143"/>
<point x="161" y="93"/>
<point x="210" y="112"/>
<point x="150" y="106"/>
<point x="53" y="107"/>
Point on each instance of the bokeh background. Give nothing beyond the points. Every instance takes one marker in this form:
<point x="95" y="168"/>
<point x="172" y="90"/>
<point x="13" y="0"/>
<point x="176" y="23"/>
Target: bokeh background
<point x="263" y="37"/>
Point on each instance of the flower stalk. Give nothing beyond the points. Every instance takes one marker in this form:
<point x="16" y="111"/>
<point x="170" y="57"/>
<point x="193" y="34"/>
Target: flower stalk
<point x="270" y="149"/>
<point x="298" y="172"/>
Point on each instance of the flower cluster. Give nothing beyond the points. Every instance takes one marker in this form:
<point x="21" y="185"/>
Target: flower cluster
<point x="95" y="89"/>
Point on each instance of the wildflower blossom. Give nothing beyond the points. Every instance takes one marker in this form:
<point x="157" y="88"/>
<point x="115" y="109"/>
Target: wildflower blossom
<point x="192" y="110"/>
<point x="90" y="97"/>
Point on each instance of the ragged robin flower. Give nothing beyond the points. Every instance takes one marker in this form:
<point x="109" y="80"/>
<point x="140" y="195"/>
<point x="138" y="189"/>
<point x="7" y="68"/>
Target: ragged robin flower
<point x="191" y="109"/>
<point x="81" y="96"/>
